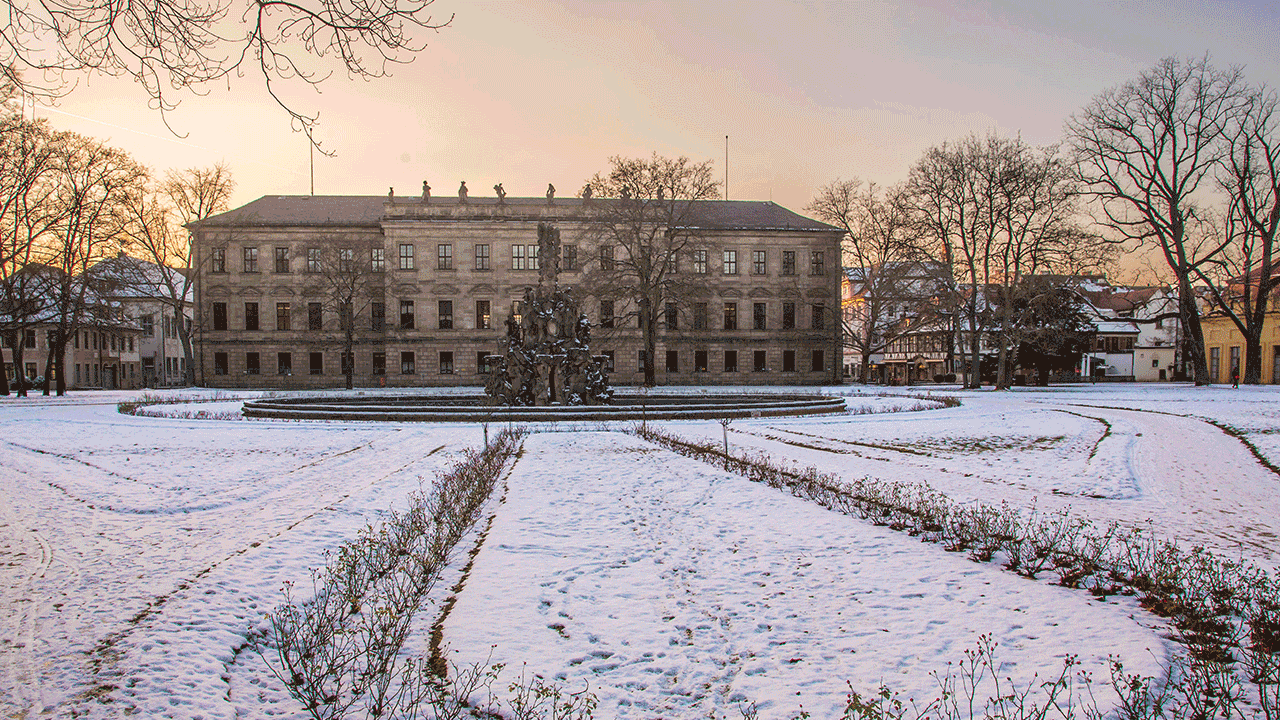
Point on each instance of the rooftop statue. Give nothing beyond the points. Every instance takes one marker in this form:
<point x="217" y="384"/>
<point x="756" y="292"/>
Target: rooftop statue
<point x="462" y="193"/>
<point x="551" y="193"/>
<point x="502" y="194"/>
<point x="426" y="192"/>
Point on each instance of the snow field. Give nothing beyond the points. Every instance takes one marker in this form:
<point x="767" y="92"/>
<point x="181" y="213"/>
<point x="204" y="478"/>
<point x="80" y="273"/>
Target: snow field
<point x="137" y="554"/>
<point x="674" y="590"/>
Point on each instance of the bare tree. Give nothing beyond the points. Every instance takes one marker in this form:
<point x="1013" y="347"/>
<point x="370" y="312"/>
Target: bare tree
<point x="643" y="217"/>
<point x="896" y="289"/>
<point x="347" y="286"/>
<point x="996" y="210"/>
<point x="1243" y="277"/>
<point x="1145" y="150"/>
<point x="28" y="209"/>
<point x="96" y="182"/>
<point x="177" y="45"/>
<point x="157" y="215"/>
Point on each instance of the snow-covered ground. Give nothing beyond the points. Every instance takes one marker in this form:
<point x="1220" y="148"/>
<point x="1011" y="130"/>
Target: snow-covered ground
<point x="137" y="554"/>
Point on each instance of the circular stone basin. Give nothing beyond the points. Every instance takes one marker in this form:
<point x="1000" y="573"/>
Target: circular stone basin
<point x="473" y="408"/>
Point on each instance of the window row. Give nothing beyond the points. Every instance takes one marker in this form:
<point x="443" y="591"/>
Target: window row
<point x="731" y="358"/>
<point x="345" y="316"/>
<point x="411" y="363"/>
<point x="697" y="316"/>
<point x="315" y="363"/>
<point x="523" y="257"/>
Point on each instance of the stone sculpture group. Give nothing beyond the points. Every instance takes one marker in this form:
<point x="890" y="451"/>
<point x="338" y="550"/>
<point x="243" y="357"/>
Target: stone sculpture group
<point x="546" y="354"/>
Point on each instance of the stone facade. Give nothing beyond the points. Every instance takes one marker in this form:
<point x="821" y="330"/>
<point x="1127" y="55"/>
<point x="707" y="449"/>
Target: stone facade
<point x="444" y="276"/>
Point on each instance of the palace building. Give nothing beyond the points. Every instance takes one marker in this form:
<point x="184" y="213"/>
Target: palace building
<point x="420" y="289"/>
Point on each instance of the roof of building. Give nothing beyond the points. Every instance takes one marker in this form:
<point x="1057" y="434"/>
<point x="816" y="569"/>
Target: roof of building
<point x="368" y="210"/>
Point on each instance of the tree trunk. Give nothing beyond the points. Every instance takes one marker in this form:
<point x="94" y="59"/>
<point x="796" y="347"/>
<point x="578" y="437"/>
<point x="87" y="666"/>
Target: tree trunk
<point x="649" y="329"/>
<point x="4" y="376"/>
<point x="189" y="366"/>
<point x="349" y="359"/>
<point x="19" y="373"/>
<point x="1252" y="374"/>
<point x="48" y="370"/>
<point x="1190" y="316"/>
<point x="60" y="364"/>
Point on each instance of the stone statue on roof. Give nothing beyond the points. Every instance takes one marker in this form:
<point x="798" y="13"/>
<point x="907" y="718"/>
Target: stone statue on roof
<point x="426" y="192"/>
<point x="462" y="193"/>
<point x="586" y="191"/>
<point x="391" y="194"/>
<point x="502" y="194"/>
<point x="551" y="193"/>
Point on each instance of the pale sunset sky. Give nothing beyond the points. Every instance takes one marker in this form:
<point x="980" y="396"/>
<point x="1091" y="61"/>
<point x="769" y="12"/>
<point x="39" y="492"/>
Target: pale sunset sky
<point x="526" y="92"/>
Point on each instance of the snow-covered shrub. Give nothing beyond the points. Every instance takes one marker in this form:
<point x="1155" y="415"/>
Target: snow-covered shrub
<point x="337" y="651"/>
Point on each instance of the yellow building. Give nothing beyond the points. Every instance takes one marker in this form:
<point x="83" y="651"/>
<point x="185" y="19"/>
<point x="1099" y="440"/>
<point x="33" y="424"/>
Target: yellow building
<point x="1224" y="348"/>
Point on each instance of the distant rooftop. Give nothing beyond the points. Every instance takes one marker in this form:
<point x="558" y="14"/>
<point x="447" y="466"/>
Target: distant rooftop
<point x="372" y="210"/>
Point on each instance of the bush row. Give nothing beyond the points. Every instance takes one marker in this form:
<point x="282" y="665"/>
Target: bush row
<point x="338" y="651"/>
<point x="1226" y="613"/>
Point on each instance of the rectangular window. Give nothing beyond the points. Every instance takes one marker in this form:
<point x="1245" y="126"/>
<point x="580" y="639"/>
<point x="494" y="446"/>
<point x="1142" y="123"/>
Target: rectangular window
<point x="218" y="260"/>
<point x="730" y="361"/>
<point x="788" y="262"/>
<point x="700" y="316"/>
<point x="758" y="264"/>
<point x="408" y="364"/>
<point x="731" y="316"/>
<point x="569" y="258"/>
<point x="673" y="361"/>
<point x="315" y="316"/>
<point x="517" y="257"/>
<point x="818" y="364"/>
<point x="730" y="262"/>
<point x="445" y="314"/>
<point x="758" y="361"/>
<point x="758" y="316"/>
<point x="148" y="327"/>
<point x="282" y="259"/>
<point x="482" y="362"/>
<point x="219" y="316"/>
<point x="819" y="319"/>
<point x="406" y="256"/>
<point x="250" y="259"/>
<point x="700" y="262"/>
<point x="534" y="262"/>
<point x="670" y="316"/>
<point x="251" y="316"/>
<point x="378" y="316"/>
<point x="446" y="363"/>
<point x="640" y="361"/>
<point x="606" y="258"/>
<point x="608" y="360"/>
<point x="317" y="363"/>
<point x="406" y="314"/>
<point x="699" y="361"/>
<point x="313" y="260"/>
<point x="482" y="257"/>
<point x="817" y="263"/>
<point x="346" y="260"/>
<point x="788" y="361"/>
<point x="252" y="363"/>
<point x="444" y="256"/>
<point x="377" y="260"/>
<point x="284" y="363"/>
<point x="483" y="317"/>
<point x="282" y="316"/>
<point x="379" y="363"/>
<point x="345" y="316"/>
<point x="606" y="313"/>
<point x="219" y="364"/>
